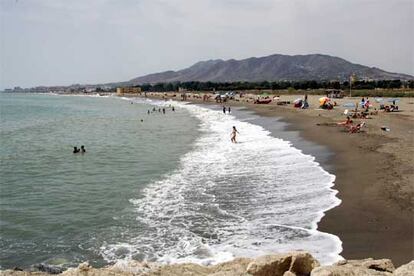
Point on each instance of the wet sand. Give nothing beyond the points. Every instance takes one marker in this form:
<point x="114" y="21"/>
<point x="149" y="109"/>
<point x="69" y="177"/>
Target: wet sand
<point x="374" y="171"/>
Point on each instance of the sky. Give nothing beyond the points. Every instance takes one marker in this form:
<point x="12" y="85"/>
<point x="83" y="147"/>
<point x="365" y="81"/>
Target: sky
<point x="60" y="42"/>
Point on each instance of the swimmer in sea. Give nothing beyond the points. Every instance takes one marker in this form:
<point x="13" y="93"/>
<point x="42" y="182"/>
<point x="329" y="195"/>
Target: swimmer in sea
<point x="233" y="135"/>
<point x="82" y="149"/>
<point x="76" y="150"/>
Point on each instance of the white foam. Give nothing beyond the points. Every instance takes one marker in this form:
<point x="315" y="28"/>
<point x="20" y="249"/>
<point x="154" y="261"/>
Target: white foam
<point x="255" y="197"/>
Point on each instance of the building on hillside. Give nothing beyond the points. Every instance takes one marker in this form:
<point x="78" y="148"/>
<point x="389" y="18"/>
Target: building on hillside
<point x="128" y="90"/>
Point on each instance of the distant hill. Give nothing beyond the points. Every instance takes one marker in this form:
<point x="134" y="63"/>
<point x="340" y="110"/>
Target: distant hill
<point x="272" y="68"/>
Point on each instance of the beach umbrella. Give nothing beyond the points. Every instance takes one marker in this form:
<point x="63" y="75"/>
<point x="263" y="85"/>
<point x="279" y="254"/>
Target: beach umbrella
<point x="349" y="105"/>
<point x="323" y="100"/>
<point x="393" y="99"/>
<point x="298" y="100"/>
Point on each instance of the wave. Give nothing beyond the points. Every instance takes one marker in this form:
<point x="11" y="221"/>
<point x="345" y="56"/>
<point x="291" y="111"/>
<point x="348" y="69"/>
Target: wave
<point x="227" y="200"/>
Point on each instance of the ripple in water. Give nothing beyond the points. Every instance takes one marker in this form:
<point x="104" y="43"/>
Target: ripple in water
<point x="225" y="200"/>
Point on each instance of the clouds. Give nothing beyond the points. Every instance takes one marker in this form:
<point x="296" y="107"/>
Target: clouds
<point x="57" y="42"/>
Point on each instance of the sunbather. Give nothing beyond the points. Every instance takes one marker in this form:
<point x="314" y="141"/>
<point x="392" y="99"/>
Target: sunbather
<point x="345" y="123"/>
<point x="356" y="128"/>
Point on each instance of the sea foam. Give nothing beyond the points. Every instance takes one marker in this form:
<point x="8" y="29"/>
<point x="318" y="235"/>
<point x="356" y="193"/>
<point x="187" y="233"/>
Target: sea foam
<point x="227" y="200"/>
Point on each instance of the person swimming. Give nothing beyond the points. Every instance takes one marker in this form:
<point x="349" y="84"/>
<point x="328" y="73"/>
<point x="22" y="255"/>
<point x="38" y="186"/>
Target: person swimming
<point x="76" y="150"/>
<point x="82" y="149"/>
<point x="233" y="135"/>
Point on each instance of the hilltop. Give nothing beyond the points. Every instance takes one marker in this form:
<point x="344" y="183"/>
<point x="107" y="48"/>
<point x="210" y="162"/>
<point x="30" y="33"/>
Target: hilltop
<point x="271" y="68"/>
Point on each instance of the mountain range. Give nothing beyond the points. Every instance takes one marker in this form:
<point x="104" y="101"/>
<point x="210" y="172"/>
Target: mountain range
<point x="272" y="68"/>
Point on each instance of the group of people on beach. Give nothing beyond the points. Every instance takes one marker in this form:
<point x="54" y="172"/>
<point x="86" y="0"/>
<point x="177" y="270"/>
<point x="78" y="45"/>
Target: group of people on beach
<point x="81" y="150"/>
<point x="228" y="109"/>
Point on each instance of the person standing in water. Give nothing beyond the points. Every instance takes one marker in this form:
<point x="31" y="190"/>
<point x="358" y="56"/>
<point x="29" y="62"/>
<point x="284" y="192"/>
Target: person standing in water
<point x="229" y="109"/>
<point x="224" y="109"/>
<point x="233" y="135"/>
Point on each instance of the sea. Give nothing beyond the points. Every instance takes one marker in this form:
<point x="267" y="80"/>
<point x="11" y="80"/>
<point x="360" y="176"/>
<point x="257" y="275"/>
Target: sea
<point x="167" y="187"/>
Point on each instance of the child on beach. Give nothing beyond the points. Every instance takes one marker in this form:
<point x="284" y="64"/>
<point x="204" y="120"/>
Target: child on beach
<point x="233" y="135"/>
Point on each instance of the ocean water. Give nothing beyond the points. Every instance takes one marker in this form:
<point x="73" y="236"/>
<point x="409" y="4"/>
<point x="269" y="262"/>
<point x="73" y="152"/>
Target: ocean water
<point x="172" y="188"/>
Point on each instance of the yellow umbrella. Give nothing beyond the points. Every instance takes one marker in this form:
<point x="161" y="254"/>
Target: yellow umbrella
<point x="323" y="100"/>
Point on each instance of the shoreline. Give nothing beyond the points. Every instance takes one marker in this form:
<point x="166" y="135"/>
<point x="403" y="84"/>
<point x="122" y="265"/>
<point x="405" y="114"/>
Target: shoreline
<point x="362" y="223"/>
<point x="373" y="177"/>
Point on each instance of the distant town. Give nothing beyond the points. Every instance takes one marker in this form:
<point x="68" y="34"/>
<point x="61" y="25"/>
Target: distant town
<point x="75" y="89"/>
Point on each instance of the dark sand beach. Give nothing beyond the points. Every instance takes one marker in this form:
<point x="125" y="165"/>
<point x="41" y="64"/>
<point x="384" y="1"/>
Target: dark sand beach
<point x="373" y="169"/>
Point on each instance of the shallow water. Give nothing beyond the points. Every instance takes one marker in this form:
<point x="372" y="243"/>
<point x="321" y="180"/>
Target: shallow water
<point x="172" y="188"/>
<point x="57" y="205"/>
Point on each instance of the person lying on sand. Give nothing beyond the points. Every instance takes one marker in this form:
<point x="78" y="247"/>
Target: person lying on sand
<point x="345" y="123"/>
<point x="391" y="108"/>
<point x="361" y="115"/>
<point x="356" y="128"/>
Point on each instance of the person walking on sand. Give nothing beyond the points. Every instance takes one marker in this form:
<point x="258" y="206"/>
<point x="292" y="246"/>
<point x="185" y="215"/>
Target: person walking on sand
<point x="233" y="135"/>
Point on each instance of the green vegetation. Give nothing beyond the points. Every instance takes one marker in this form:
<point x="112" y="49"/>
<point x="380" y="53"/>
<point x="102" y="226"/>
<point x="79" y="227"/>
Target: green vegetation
<point x="382" y="88"/>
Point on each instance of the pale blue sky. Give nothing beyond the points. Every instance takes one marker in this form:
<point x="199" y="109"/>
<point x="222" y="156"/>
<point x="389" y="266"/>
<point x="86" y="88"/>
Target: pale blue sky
<point x="50" y="42"/>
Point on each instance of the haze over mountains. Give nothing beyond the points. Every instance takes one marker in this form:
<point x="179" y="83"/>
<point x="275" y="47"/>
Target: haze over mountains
<point x="272" y="68"/>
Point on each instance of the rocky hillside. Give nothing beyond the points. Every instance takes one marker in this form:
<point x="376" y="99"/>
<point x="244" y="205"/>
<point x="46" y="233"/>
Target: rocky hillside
<point x="291" y="264"/>
<point x="272" y="68"/>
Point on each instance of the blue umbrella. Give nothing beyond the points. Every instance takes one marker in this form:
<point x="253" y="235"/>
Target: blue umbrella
<point x="349" y="105"/>
<point x="394" y="99"/>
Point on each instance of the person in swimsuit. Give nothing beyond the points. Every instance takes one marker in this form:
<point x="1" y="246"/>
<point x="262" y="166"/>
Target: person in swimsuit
<point x="233" y="135"/>
<point x="82" y="149"/>
<point x="76" y="150"/>
<point x="346" y="123"/>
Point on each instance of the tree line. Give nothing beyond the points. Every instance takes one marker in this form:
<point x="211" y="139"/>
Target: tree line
<point x="275" y="85"/>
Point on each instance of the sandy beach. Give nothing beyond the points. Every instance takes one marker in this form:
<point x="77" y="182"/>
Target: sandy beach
<point x="374" y="170"/>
